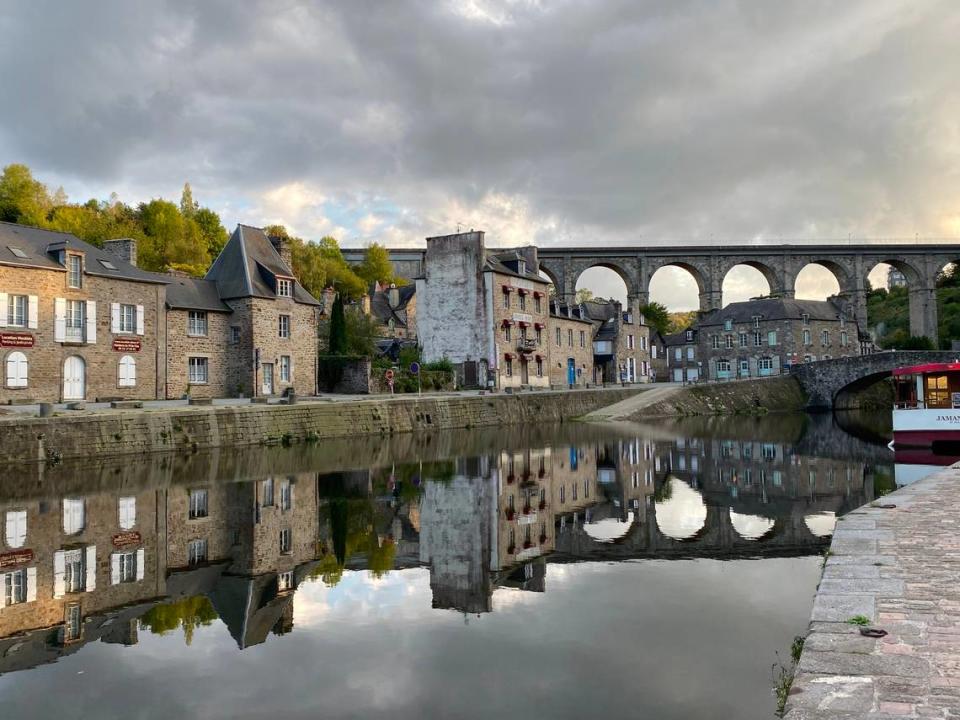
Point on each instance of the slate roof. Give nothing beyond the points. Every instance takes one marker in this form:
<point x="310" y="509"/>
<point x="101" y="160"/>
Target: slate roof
<point x="679" y="338"/>
<point x="771" y="309"/>
<point x="506" y="263"/>
<point x="42" y="246"/>
<point x="560" y="310"/>
<point x="248" y="266"/>
<point x="189" y="293"/>
<point x="380" y="305"/>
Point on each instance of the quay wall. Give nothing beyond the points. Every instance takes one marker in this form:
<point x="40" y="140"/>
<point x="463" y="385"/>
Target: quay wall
<point x="739" y="397"/>
<point x="190" y="429"/>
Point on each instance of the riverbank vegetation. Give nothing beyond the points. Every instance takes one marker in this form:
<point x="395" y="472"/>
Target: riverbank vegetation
<point x="888" y="313"/>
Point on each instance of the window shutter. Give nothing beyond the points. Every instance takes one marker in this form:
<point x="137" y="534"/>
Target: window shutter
<point x="291" y="369"/>
<point x="59" y="319"/>
<point x="131" y="371"/>
<point x="91" y="568"/>
<point x="3" y="594"/>
<point x="3" y="309"/>
<point x="33" y="312"/>
<point x="140" y="561"/>
<point x="91" y="322"/>
<point x="31" y="584"/>
<point x="114" y="317"/>
<point x="59" y="570"/>
<point x="115" y="568"/>
<point x="21" y="371"/>
<point x="139" y="319"/>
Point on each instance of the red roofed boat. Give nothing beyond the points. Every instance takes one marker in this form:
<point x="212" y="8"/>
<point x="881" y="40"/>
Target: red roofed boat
<point x="926" y="405"/>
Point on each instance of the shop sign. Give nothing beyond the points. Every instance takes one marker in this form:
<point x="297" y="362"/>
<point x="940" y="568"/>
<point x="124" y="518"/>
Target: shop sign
<point x="21" y="340"/>
<point x="17" y="557"/>
<point x="122" y="344"/>
<point x="124" y="539"/>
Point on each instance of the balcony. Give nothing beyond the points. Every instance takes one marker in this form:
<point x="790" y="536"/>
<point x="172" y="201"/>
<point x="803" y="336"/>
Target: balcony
<point x="526" y="346"/>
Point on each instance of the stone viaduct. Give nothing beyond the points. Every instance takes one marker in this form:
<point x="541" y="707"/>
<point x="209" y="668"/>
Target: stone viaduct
<point x="780" y="264"/>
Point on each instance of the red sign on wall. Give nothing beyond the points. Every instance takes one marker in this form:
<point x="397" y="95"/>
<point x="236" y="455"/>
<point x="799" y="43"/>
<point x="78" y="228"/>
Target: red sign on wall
<point x="23" y="340"/>
<point x="126" y="344"/>
<point x="17" y="557"/>
<point x="126" y="538"/>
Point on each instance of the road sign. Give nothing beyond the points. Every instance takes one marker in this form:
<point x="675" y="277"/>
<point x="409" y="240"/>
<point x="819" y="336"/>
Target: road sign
<point x="415" y="368"/>
<point x="389" y="374"/>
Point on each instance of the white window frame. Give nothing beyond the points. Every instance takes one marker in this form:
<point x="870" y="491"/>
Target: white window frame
<point x="127" y="512"/>
<point x="284" y="327"/>
<point x="16" y="587"/>
<point x="74" y="264"/>
<point x="76" y="320"/>
<point x="198" y="370"/>
<point x="127" y="324"/>
<point x="199" y="508"/>
<point x="197" y="325"/>
<point x="286" y="541"/>
<point x="197" y="551"/>
<point x="284" y="287"/>
<point x="15" y="528"/>
<point x="284" y="581"/>
<point x="74" y="516"/>
<point x="18" y="311"/>
<point x="285" y="365"/>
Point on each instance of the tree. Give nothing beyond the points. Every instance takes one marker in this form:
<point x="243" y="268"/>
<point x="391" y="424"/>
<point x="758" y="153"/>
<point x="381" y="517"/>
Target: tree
<point x="376" y="266"/>
<point x="584" y="295"/>
<point x="657" y="316"/>
<point x="338" y="329"/>
<point x="212" y="232"/>
<point x="22" y="198"/>
<point x="172" y="242"/>
<point x="188" y="206"/>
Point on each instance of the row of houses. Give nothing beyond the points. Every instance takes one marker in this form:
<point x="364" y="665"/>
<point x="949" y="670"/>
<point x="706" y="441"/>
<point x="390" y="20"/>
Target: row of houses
<point x="78" y="322"/>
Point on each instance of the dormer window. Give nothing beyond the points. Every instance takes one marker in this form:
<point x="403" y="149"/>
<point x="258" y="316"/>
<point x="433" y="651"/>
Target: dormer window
<point x="74" y="271"/>
<point x="522" y="267"/>
<point x="689" y="335"/>
<point x="284" y="287"/>
<point x="806" y="319"/>
<point x="728" y="324"/>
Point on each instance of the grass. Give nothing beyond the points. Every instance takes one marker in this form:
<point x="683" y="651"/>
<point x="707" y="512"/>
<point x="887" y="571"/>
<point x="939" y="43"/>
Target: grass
<point x="861" y="620"/>
<point x="783" y="674"/>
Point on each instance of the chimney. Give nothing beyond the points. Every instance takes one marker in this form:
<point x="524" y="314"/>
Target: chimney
<point x="124" y="249"/>
<point x="282" y="246"/>
<point x="393" y="295"/>
<point x="326" y="301"/>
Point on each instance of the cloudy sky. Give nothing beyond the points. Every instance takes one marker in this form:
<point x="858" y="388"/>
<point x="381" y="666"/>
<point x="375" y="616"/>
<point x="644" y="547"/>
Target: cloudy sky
<point x="598" y="122"/>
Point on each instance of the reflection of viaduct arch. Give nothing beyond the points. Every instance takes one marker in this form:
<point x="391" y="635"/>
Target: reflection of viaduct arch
<point x="780" y="264"/>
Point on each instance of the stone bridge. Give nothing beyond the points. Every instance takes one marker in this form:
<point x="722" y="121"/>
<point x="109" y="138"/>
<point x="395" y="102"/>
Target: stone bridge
<point x="823" y="380"/>
<point x="780" y="264"/>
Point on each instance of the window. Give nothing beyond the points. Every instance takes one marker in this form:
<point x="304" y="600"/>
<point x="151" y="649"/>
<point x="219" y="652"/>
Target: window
<point x="506" y="298"/>
<point x="284" y="581"/>
<point x="806" y="337"/>
<point x="128" y="318"/>
<point x="75" y="319"/>
<point x="743" y="339"/>
<point x="806" y="319"/>
<point x="107" y="264"/>
<point x="678" y="354"/>
<point x="267" y="493"/>
<point x="563" y="493"/>
<point x="583" y="339"/>
<point x="689" y="335"/>
<point x="768" y="451"/>
<point x="757" y="339"/>
<point x="127" y="511"/>
<point x="523" y="301"/>
<point x="286" y="495"/>
<point x="284" y="287"/>
<point x="71" y="623"/>
<point x="17" y="310"/>
<point x="197" y="551"/>
<point x="285" y="368"/>
<point x="198" y="370"/>
<point x="539" y="367"/>
<point x="728" y="325"/>
<point x="521" y="267"/>
<point x="284" y="328"/>
<point x="127" y="371"/>
<point x="766" y="363"/>
<point x="74" y="516"/>
<point x="125" y="567"/>
<point x="15" y="587"/>
<point x="938" y="394"/>
<point x="715" y="341"/>
<point x="539" y="336"/>
<point x="690" y="353"/>
<point x="197" y="323"/>
<point x="569" y="338"/>
<point x="629" y="342"/>
<point x="286" y="541"/>
<point x="234" y="334"/>
<point x="723" y="366"/>
<point x="74" y="271"/>
<point x="74" y="571"/>
<point x="509" y="367"/>
<point x="756" y="321"/>
<point x="824" y="337"/>
<point x="506" y="333"/>
<point x="536" y="304"/>
<point x="17" y="252"/>
<point x="198" y="504"/>
<point x="843" y="338"/>
<point x="16" y="528"/>
<point x="17" y="370"/>
<point x="728" y="341"/>
<point x="523" y="331"/>
<point x="772" y="338"/>
<point x="559" y="342"/>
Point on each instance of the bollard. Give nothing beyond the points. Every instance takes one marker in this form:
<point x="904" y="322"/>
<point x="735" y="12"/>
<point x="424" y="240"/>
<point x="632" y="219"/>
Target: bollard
<point x="46" y="410"/>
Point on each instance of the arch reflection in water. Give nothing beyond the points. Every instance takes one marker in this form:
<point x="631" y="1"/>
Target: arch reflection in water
<point x="822" y="523"/>
<point x="751" y="527"/>
<point x="682" y="513"/>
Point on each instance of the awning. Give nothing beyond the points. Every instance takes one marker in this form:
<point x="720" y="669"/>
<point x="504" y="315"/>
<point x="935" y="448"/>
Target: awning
<point x="508" y="356"/>
<point x="522" y="291"/>
<point x="507" y="323"/>
<point x="523" y="323"/>
<point x="508" y="288"/>
<point x="537" y="293"/>
<point x="539" y="326"/>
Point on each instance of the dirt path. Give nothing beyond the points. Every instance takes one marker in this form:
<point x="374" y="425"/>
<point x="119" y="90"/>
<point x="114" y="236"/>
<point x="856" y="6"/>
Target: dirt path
<point x="626" y="409"/>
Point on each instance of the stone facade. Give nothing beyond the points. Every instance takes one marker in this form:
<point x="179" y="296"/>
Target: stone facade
<point x="621" y="344"/>
<point x="570" y="338"/>
<point x="91" y="355"/>
<point x="520" y="315"/>
<point x="222" y="380"/>
<point x="683" y="356"/>
<point x="659" y="362"/>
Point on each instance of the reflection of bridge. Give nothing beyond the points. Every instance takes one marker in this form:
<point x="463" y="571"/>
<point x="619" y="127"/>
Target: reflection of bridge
<point x="717" y="538"/>
<point x="780" y="264"/>
<point x="823" y="380"/>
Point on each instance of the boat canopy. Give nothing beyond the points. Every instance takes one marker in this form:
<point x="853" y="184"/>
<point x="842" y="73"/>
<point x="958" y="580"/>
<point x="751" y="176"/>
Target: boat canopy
<point x="928" y="368"/>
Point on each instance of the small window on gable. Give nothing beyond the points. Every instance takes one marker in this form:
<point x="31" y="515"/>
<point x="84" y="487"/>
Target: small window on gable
<point x="108" y="265"/>
<point x="17" y="252"/>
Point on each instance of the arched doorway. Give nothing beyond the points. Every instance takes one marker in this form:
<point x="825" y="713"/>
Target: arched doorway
<point x="74" y="378"/>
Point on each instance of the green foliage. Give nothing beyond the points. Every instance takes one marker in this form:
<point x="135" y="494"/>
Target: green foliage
<point x="362" y="331"/>
<point x="443" y="365"/>
<point x="321" y="265"/>
<point x="409" y="354"/>
<point x="188" y="614"/>
<point x="380" y="555"/>
<point x="330" y="369"/>
<point x="22" y="198"/>
<point x="861" y="620"/>
<point x="657" y="316"/>
<point x="681" y="320"/>
<point x="888" y="314"/>
<point x="338" y="329"/>
<point x="376" y="266"/>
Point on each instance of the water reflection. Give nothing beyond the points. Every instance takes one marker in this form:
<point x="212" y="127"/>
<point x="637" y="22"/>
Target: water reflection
<point x="175" y="544"/>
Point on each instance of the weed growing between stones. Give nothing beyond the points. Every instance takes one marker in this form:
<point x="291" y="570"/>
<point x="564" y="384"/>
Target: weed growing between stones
<point x="861" y="620"/>
<point x="783" y="674"/>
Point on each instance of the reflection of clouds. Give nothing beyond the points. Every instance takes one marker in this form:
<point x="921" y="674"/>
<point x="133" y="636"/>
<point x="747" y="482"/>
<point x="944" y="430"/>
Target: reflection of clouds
<point x="821" y="524"/>
<point x="683" y="514"/>
<point x="750" y="527"/>
<point x="359" y="594"/>
<point x="609" y="528"/>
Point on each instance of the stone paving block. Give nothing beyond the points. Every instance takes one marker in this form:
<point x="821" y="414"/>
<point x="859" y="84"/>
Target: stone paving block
<point x="840" y="608"/>
<point x="836" y="693"/>
<point x="862" y="586"/>
<point x="837" y="571"/>
<point x="839" y="663"/>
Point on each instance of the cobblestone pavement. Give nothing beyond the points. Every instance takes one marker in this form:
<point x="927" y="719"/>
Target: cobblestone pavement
<point x="900" y="568"/>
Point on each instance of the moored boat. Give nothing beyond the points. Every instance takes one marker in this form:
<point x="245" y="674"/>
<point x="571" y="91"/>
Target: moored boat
<point x="926" y="405"/>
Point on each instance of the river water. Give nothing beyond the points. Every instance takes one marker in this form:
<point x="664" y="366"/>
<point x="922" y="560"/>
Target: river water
<point x="573" y="571"/>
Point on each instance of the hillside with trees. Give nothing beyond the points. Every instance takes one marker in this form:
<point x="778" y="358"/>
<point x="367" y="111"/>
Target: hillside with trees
<point x="888" y="314"/>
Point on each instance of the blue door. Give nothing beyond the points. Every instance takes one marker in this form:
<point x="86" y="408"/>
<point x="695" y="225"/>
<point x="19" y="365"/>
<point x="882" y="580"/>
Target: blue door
<point x="571" y="372"/>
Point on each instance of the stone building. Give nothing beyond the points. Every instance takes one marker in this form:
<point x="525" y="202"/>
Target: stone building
<point x="77" y="322"/>
<point x="683" y="355"/>
<point x="620" y="344"/>
<point x="764" y="337"/>
<point x="247" y="328"/>
<point x="395" y="310"/>
<point x="570" y="334"/>
<point x="486" y="312"/>
<point x="659" y="363"/>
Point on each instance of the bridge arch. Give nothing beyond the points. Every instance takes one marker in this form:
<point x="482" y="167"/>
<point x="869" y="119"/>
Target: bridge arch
<point x="606" y="279"/>
<point x="843" y="275"/>
<point x="706" y="298"/>
<point x="761" y="271"/>
<point x="919" y="285"/>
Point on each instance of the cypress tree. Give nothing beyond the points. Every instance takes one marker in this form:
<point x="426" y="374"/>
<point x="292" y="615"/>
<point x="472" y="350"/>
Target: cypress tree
<point x="338" y="329"/>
